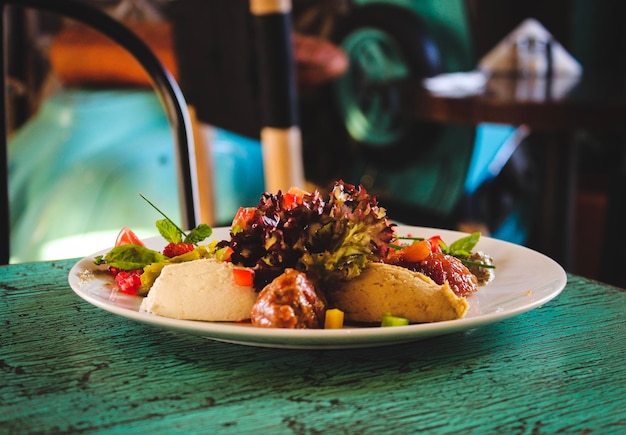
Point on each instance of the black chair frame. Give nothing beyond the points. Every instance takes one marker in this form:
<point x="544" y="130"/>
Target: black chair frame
<point x="165" y="86"/>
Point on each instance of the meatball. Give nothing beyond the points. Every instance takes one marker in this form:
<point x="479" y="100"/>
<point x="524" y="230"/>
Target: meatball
<point x="289" y="301"/>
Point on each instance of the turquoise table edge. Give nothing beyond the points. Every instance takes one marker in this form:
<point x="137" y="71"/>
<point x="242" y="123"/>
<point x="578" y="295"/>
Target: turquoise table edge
<point x="67" y="366"/>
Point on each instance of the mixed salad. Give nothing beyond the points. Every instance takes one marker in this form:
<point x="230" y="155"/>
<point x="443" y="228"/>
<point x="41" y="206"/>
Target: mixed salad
<point x="328" y="239"/>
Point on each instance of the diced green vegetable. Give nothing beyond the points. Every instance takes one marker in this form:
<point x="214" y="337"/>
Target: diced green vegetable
<point x="389" y="320"/>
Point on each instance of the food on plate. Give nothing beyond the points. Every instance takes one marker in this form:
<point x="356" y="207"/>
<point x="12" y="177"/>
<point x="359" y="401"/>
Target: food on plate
<point x="297" y="255"/>
<point x="200" y="290"/>
<point x="384" y="288"/>
<point x="135" y="267"/>
<point x="443" y="269"/>
<point x="333" y="318"/>
<point x="389" y="320"/>
<point x="328" y="239"/>
<point x="289" y="301"/>
<point x="481" y="266"/>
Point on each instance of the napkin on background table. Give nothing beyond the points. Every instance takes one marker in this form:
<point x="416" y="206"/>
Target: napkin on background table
<point x="503" y="58"/>
<point x="458" y="84"/>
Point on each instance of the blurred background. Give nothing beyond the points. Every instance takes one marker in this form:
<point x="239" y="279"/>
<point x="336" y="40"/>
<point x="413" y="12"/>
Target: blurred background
<point x="88" y="134"/>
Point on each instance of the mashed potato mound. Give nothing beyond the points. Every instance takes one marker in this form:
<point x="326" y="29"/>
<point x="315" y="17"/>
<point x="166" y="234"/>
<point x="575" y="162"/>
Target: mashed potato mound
<point x="199" y="290"/>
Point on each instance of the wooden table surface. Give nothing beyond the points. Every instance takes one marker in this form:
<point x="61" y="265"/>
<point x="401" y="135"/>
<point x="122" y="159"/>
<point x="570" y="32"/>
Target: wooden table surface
<point x="69" y="367"/>
<point x="592" y="101"/>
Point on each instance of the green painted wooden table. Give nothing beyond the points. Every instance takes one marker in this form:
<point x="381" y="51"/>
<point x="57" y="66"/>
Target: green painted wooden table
<point x="67" y="367"/>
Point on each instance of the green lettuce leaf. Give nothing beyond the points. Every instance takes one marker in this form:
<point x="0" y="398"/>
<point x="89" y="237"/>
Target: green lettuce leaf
<point x="130" y="257"/>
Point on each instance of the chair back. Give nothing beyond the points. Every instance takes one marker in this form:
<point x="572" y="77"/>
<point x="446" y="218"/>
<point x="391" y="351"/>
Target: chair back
<point x="164" y="84"/>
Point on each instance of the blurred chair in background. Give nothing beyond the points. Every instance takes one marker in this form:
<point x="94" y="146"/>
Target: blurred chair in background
<point x="227" y="75"/>
<point x="105" y="113"/>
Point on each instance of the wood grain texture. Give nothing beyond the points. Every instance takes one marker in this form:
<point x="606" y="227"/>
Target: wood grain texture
<point x="66" y="366"/>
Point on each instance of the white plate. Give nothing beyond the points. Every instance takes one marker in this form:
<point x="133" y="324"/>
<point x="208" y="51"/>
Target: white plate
<point x="525" y="279"/>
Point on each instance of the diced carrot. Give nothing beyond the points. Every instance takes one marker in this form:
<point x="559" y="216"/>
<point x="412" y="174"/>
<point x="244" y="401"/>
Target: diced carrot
<point x="416" y="251"/>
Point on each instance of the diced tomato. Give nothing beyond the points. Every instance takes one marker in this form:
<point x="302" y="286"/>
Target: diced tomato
<point x="435" y="246"/>
<point x="243" y="276"/>
<point x="127" y="237"/>
<point x="243" y="216"/>
<point x="293" y="197"/>
<point x="290" y="200"/>
<point x="176" y="249"/>
<point x="129" y="281"/>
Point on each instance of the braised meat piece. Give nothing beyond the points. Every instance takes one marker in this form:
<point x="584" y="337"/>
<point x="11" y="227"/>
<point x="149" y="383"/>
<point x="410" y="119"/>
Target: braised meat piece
<point x="289" y="301"/>
<point x="441" y="268"/>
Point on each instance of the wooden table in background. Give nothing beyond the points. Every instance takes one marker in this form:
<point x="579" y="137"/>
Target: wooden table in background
<point x="68" y="367"/>
<point x="553" y="109"/>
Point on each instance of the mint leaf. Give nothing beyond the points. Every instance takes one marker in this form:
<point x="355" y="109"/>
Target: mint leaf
<point x="198" y="234"/>
<point x="173" y="234"/>
<point x="169" y="231"/>
<point x="463" y="247"/>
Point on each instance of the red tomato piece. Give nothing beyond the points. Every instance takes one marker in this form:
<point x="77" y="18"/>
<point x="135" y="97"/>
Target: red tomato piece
<point x="243" y="276"/>
<point x="290" y="200"/>
<point x="176" y="249"/>
<point x="127" y="237"/>
<point x="293" y="197"/>
<point x="243" y="216"/>
<point x="129" y="281"/>
<point x="435" y="246"/>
